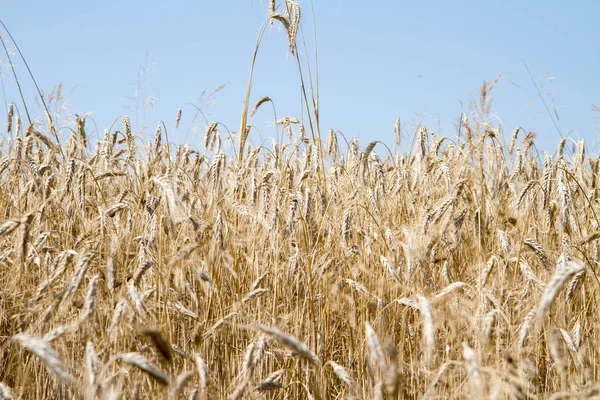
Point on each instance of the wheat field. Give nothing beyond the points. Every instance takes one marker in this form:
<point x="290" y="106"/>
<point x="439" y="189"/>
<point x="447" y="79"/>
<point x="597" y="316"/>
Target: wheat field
<point x="305" y="267"/>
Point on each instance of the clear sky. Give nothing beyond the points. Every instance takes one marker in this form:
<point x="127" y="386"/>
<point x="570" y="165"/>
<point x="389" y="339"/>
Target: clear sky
<point x="421" y="61"/>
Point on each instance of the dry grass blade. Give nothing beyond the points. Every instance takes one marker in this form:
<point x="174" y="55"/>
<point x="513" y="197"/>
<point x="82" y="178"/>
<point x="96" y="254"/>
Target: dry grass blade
<point x="139" y="361"/>
<point x="290" y="342"/>
<point x="46" y="354"/>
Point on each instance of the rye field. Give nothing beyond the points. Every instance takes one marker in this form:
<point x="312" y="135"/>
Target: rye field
<point x="309" y="266"/>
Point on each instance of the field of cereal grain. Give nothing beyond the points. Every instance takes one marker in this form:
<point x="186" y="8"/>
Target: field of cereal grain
<point x="303" y="268"/>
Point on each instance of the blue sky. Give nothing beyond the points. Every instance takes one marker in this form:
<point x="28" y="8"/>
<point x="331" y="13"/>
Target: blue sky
<point x="419" y="61"/>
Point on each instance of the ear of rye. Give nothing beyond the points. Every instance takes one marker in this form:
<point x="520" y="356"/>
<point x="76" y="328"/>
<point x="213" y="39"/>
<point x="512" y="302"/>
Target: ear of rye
<point x="556" y="284"/>
<point x="290" y="342"/>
